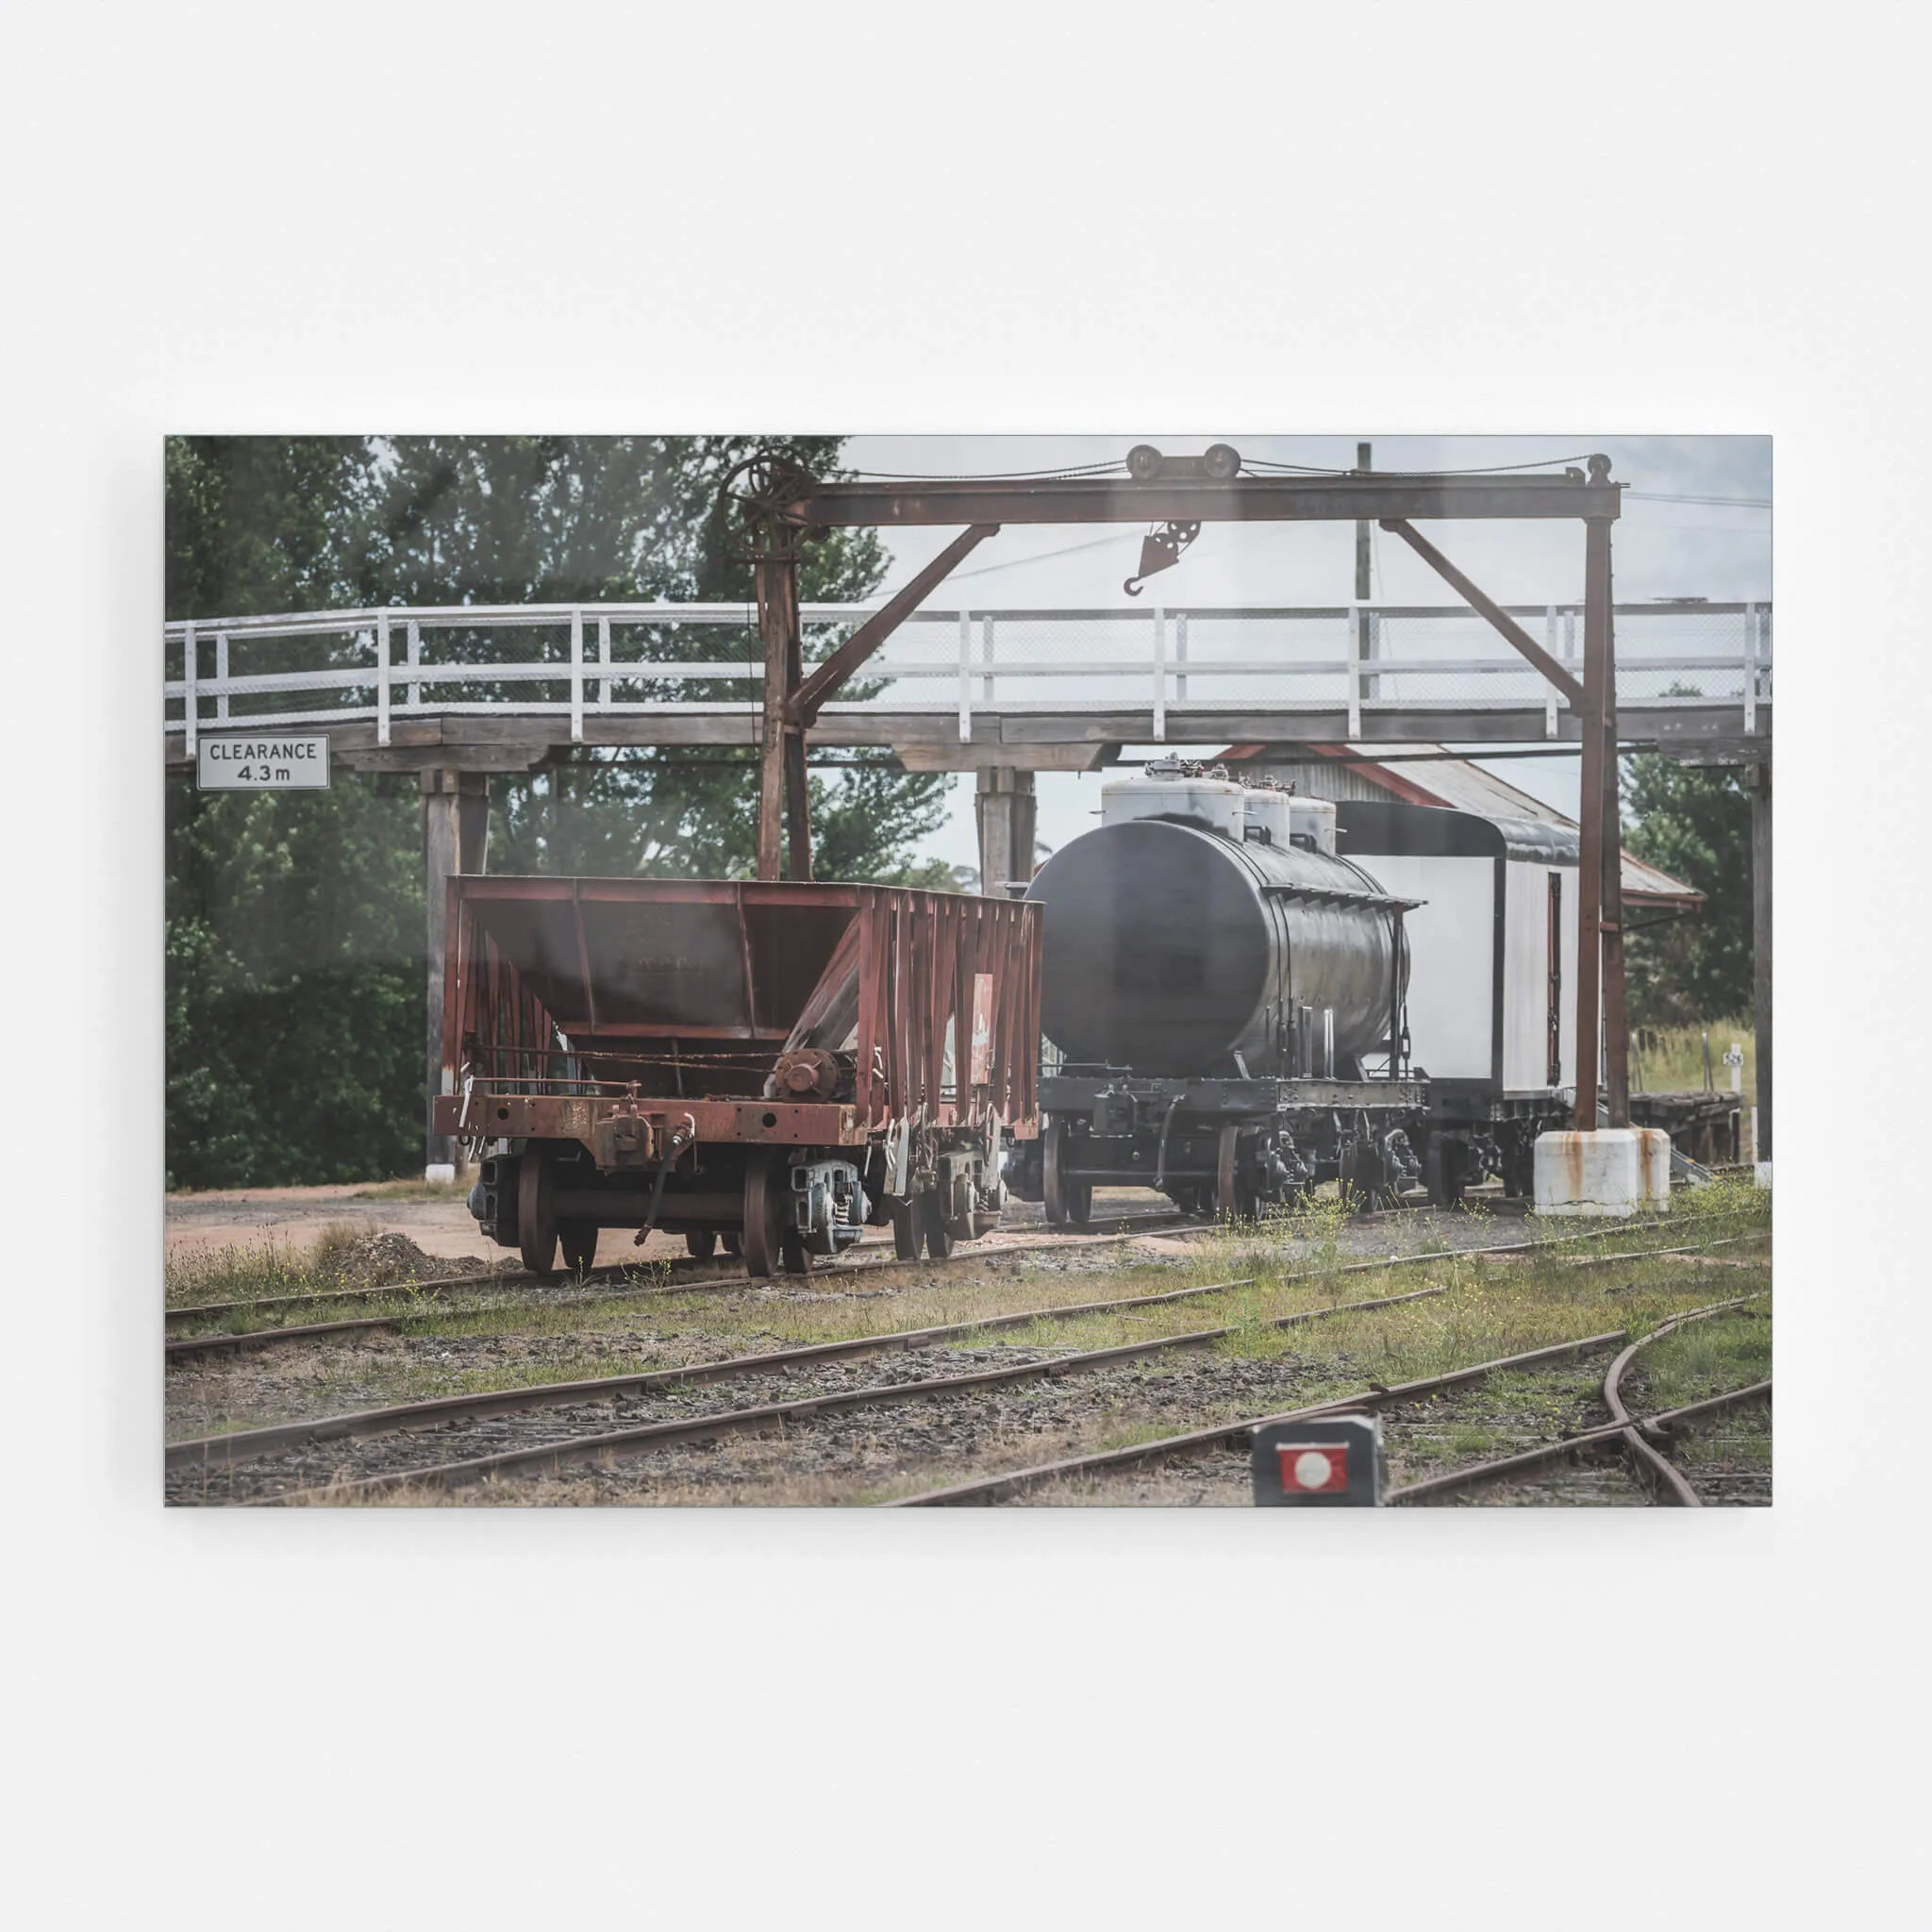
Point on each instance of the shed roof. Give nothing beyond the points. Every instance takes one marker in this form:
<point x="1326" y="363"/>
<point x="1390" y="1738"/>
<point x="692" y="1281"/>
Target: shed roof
<point x="1458" y="786"/>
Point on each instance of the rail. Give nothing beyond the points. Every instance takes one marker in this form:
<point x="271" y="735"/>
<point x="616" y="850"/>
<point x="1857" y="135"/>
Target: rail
<point x="687" y="665"/>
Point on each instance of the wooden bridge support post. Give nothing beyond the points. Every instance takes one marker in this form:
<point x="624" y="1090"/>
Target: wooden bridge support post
<point x="1007" y="812"/>
<point x="455" y="836"/>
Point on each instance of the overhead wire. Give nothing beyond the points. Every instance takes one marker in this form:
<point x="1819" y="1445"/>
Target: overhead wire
<point x="1718" y="502"/>
<point x="1480" y="470"/>
<point x="986" y="476"/>
<point x="1041" y="556"/>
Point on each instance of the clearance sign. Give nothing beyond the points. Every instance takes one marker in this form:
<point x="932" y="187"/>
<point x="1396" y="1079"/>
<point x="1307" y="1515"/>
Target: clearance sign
<point x="287" y="761"/>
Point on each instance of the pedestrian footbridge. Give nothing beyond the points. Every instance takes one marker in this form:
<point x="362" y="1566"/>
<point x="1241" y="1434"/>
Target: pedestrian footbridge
<point x="501" y="687"/>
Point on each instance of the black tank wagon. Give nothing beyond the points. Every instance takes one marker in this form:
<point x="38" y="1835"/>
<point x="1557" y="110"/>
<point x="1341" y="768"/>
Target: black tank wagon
<point x="1227" y="996"/>
<point x="1248" y="993"/>
<point x="770" y="1066"/>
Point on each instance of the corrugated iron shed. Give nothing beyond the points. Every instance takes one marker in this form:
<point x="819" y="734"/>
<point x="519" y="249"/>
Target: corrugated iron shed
<point x="1357" y="771"/>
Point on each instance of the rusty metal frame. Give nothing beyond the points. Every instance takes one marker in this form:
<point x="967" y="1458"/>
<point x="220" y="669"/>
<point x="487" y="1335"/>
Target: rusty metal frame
<point x="802" y="707"/>
<point x="913" y="965"/>
<point x="1486" y="606"/>
<point x="1178" y="492"/>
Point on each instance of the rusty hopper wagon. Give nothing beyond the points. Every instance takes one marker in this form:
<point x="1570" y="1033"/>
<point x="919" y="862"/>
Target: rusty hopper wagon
<point x="767" y="1066"/>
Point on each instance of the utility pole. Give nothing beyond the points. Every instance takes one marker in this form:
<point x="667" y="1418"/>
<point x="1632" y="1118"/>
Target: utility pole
<point x="1365" y="640"/>
<point x="1364" y="455"/>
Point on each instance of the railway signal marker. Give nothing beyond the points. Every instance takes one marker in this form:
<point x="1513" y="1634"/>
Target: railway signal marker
<point x="1336" y="1459"/>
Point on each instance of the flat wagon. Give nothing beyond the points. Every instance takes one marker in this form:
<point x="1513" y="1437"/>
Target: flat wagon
<point x="768" y="1066"/>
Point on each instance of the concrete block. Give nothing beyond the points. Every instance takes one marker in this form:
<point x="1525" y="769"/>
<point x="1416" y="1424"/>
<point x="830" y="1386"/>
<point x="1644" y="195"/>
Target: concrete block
<point x="440" y="1171"/>
<point x="1653" y="1167"/>
<point x="1760" y="1174"/>
<point x="1611" y="1170"/>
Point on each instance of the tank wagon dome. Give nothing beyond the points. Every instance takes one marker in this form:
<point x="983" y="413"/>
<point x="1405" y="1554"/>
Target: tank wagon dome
<point x="1169" y="948"/>
<point x="1169" y="790"/>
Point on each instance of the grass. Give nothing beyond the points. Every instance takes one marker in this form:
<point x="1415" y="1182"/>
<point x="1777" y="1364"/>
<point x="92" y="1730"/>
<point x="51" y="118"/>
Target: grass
<point x="272" y="1266"/>
<point x="1707" y="1357"/>
<point x="1676" y="1063"/>
<point x="1489" y="1306"/>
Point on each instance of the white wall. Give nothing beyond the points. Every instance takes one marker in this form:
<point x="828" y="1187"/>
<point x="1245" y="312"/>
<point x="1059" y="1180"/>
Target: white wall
<point x="1451" y="942"/>
<point x="1526" y="970"/>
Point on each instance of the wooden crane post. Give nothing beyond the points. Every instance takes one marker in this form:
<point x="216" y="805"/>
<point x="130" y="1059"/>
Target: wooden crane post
<point x="1616" y="1028"/>
<point x="781" y="766"/>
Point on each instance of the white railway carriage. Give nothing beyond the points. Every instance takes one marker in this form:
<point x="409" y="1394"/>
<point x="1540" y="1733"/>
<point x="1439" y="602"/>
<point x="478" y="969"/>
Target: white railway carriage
<point x="1254" y="991"/>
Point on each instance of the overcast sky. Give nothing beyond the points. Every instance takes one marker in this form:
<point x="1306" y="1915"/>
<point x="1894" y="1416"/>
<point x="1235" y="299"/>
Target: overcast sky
<point x="1662" y="549"/>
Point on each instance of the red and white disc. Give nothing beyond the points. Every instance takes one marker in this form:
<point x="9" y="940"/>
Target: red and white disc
<point x="1313" y="1469"/>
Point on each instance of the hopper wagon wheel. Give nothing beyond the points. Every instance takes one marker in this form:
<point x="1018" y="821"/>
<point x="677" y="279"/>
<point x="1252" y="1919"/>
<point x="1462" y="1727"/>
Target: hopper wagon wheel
<point x="765" y="1214"/>
<point x="701" y="1244"/>
<point x="536" y="1212"/>
<point x="579" y="1239"/>
<point x="905" y="1229"/>
<point x="930" y="1219"/>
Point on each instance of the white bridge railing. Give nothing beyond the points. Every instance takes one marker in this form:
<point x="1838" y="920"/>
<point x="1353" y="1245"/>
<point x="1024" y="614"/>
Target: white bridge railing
<point x="690" y="661"/>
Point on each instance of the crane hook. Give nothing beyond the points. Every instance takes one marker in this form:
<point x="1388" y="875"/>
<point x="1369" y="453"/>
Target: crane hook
<point x="1160" y="549"/>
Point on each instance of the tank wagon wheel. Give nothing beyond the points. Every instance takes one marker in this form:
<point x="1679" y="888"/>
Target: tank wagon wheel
<point x="1068" y="1202"/>
<point x="905" y="1229"/>
<point x="535" y="1213"/>
<point x="1227" y="1202"/>
<point x="701" y="1244"/>
<point x="764" y="1217"/>
<point x="579" y="1239"/>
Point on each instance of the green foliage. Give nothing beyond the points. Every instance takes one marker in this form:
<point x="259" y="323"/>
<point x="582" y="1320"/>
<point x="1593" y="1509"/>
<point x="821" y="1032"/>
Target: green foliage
<point x="1694" y="823"/>
<point x="296" y="1016"/>
<point x="296" y="985"/>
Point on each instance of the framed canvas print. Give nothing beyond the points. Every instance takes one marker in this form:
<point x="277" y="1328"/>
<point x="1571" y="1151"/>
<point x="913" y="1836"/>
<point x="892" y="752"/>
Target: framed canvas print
<point x="937" y="970"/>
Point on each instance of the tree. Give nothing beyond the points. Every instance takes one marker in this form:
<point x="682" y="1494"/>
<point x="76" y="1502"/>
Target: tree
<point x="1693" y="821"/>
<point x="564" y="520"/>
<point x="296" y="996"/>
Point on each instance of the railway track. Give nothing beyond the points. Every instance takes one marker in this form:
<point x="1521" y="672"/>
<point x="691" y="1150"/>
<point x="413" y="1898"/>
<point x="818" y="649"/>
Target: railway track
<point x="204" y="1453"/>
<point x="689" y="1272"/>
<point x="996" y="1489"/>
<point x="726" y="1271"/>
<point x="1637" y="1437"/>
<point x="185" y="1347"/>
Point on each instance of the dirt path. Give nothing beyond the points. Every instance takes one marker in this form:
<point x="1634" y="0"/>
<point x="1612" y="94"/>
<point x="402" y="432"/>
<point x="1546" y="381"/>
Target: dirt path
<point x="442" y="1225"/>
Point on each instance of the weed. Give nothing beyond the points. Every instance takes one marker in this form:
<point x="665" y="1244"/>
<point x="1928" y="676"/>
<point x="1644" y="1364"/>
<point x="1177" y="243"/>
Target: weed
<point x="1672" y="1057"/>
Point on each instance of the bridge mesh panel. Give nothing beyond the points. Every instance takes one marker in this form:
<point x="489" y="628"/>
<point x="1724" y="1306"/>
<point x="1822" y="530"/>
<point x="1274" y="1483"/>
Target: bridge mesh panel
<point x="448" y="647"/>
<point x="1680" y="631"/>
<point x="1456" y="637"/>
<point x="1275" y="643"/>
<point x="916" y="668"/>
<point x="635" y="647"/>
